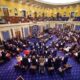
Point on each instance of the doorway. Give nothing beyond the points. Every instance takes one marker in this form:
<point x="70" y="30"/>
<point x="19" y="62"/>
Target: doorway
<point x="23" y="13"/>
<point x="5" y="11"/>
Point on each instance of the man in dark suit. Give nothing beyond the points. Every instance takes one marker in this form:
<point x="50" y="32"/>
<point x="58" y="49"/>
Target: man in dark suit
<point x="57" y="63"/>
<point x="25" y="62"/>
<point x="65" y="60"/>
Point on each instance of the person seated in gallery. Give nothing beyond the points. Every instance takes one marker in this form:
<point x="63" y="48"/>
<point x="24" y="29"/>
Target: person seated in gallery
<point x="19" y="64"/>
<point x="40" y="51"/>
<point x="77" y="56"/>
<point x="25" y="63"/>
<point x="13" y="50"/>
<point x="17" y="50"/>
<point x="66" y="49"/>
<point x="43" y="45"/>
<point x="78" y="40"/>
<point x="1" y="60"/>
<point x="57" y="63"/>
<point x="46" y="53"/>
<point x="5" y="45"/>
<point x="33" y="64"/>
<point x="8" y="55"/>
<point x="33" y="52"/>
<point x="3" y="55"/>
<point x="54" y="52"/>
<point x="46" y="47"/>
<point x="23" y="41"/>
<point x="15" y="42"/>
<point x="65" y="66"/>
<point x="22" y="45"/>
<point x="61" y="45"/>
<point x="50" y="65"/>
<point x="31" y="46"/>
<point x="65" y="60"/>
<point x="72" y="48"/>
<point x="37" y="47"/>
<point x="42" y="64"/>
<point x="10" y="47"/>
<point x="57" y="45"/>
<point x="33" y="60"/>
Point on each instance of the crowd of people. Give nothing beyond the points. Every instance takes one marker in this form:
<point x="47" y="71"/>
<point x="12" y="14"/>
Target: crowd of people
<point x="44" y="57"/>
<point x="14" y="19"/>
<point x="11" y="48"/>
<point x="38" y="55"/>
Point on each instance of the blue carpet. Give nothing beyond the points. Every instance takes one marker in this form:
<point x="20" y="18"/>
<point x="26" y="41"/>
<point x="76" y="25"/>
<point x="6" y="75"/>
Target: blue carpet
<point x="8" y="72"/>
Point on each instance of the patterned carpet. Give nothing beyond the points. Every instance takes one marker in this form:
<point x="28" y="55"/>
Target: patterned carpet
<point x="8" y="72"/>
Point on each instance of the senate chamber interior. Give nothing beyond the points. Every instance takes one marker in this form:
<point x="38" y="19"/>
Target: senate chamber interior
<point x="39" y="40"/>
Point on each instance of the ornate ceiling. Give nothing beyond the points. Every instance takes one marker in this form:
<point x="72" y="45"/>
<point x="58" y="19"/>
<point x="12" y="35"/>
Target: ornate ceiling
<point x="39" y="3"/>
<point x="59" y="2"/>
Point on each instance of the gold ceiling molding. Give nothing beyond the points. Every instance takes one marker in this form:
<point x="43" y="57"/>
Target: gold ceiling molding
<point x="44" y="5"/>
<point x="37" y="3"/>
<point x="47" y="2"/>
